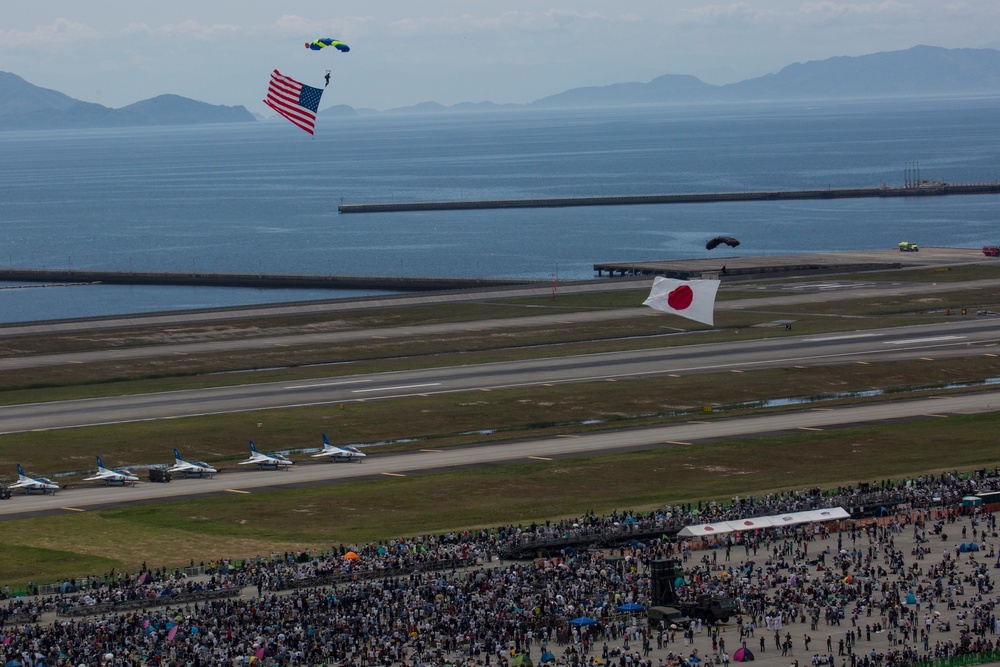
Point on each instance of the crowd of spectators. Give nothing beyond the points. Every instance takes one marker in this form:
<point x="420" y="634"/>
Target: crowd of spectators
<point x="454" y="598"/>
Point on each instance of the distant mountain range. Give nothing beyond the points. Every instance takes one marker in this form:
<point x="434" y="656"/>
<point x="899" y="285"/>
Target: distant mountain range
<point x="24" y="106"/>
<point x="919" y="71"/>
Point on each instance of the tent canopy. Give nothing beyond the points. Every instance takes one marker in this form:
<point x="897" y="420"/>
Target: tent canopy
<point x="756" y="523"/>
<point x="583" y="620"/>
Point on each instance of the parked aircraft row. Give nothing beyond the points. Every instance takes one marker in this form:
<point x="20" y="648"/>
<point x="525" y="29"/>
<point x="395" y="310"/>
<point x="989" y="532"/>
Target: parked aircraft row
<point x="263" y="461"/>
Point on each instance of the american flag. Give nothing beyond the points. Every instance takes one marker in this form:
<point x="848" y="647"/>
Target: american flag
<point x="294" y="101"/>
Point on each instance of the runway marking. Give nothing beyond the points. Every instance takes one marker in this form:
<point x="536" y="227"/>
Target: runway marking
<point x="734" y="370"/>
<point x="325" y="384"/>
<point x="989" y="354"/>
<point x="809" y="428"/>
<point x="181" y="354"/>
<point x="673" y="375"/>
<point x="76" y="362"/>
<point x="473" y="329"/>
<point x="821" y="409"/>
<point x="933" y="339"/>
<point x="380" y="337"/>
<point x="676" y="442"/>
<point x="864" y="363"/>
<point x="844" y="337"/>
<point x="392" y="474"/>
<point x="485" y="389"/>
<point x="540" y="458"/>
<point x="237" y="491"/>
<point x="403" y="386"/>
<point x="699" y="422"/>
<point x="610" y="380"/>
<point x="73" y="509"/>
<point x="280" y="345"/>
<point x="938" y="416"/>
<point x="803" y="367"/>
<point x="926" y="359"/>
<point x="567" y="435"/>
<point x="433" y="451"/>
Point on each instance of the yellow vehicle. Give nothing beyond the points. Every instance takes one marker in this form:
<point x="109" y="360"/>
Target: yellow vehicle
<point x="906" y="246"/>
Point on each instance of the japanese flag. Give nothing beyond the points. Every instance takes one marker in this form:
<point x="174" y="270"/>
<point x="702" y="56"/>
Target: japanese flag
<point x="693" y="299"/>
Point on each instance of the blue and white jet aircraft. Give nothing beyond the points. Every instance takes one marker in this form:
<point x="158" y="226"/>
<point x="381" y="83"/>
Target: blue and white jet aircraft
<point x="29" y="484"/>
<point x="266" y="461"/>
<point x="344" y="454"/>
<point x="109" y="476"/>
<point x="191" y="468"/>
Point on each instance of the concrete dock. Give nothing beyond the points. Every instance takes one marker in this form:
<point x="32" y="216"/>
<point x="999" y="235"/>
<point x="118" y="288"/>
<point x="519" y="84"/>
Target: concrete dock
<point x="923" y="190"/>
<point x="736" y="267"/>
<point x="257" y="280"/>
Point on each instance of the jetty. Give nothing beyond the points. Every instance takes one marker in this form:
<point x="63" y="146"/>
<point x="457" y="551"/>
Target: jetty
<point x="64" y="277"/>
<point x="730" y="267"/>
<point x="921" y="189"/>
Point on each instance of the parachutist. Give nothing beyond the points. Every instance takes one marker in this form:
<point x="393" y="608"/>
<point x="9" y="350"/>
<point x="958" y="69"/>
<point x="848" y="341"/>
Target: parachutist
<point x="327" y="77"/>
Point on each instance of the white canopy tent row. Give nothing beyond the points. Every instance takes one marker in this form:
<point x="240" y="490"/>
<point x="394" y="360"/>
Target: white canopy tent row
<point x="759" y="522"/>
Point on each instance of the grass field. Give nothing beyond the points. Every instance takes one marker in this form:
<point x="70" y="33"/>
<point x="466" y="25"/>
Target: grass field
<point x="478" y="417"/>
<point x="173" y="534"/>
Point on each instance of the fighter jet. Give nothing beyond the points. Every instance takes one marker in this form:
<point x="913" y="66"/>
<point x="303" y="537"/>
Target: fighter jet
<point x="110" y="477"/>
<point x="344" y="454"/>
<point x="191" y="468"/>
<point x="30" y="484"/>
<point x="266" y="461"/>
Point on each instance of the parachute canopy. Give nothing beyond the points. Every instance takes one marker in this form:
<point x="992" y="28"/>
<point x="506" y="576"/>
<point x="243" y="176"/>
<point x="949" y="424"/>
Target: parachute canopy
<point x="318" y="44"/>
<point x="728" y="240"/>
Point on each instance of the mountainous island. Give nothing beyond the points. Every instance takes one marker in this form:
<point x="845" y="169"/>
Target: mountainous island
<point x="919" y="71"/>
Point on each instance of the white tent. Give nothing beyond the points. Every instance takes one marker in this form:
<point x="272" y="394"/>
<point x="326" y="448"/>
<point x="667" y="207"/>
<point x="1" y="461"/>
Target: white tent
<point x="760" y="522"/>
<point x="831" y="514"/>
<point x="706" y="529"/>
<point x="753" y="523"/>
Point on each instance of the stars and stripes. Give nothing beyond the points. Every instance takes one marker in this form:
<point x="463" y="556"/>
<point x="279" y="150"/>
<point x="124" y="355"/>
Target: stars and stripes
<point x="293" y="100"/>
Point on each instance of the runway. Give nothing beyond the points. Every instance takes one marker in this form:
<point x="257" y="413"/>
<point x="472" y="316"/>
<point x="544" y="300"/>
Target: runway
<point x="428" y="460"/>
<point x="937" y="341"/>
<point x="778" y="296"/>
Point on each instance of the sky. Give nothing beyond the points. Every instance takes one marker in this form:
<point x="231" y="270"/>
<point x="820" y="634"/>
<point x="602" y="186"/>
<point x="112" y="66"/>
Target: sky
<point x="117" y="52"/>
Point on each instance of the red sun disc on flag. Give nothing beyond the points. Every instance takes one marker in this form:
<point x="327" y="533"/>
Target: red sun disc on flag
<point x="680" y="298"/>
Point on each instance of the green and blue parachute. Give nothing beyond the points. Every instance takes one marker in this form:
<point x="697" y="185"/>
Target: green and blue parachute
<point x="319" y="44"/>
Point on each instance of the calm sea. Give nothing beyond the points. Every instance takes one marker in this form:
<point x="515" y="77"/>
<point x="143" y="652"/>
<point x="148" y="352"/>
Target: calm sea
<point x="263" y="197"/>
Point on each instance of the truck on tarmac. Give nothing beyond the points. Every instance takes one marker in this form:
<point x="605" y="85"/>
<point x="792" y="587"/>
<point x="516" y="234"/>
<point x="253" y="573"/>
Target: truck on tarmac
<point x="161" y="475"/>
<point x="710" y="608"/>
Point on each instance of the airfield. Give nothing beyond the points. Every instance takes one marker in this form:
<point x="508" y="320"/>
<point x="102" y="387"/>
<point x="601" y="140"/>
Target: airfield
<point x="90" y="497"/>
<point x="949" y="338"/>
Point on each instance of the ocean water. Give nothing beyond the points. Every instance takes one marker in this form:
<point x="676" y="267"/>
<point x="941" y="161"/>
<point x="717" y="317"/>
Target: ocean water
<point x="262" y="198"/>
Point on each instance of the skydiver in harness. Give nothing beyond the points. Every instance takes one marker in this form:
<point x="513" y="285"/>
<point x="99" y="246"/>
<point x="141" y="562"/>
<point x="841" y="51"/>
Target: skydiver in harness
<point x="327" y="77"/>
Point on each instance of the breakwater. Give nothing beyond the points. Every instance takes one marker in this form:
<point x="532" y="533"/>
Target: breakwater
<point x="933" y="190"/>
<point x="54" y="277"/>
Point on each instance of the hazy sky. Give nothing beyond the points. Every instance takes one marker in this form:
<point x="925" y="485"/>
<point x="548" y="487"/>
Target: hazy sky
<point x="116" y="52"/>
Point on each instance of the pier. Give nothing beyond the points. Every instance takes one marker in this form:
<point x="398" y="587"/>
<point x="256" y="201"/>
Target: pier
<point x="61" y="277"/>
<point x="924" y="189"/>
<point x="736" y="267"/>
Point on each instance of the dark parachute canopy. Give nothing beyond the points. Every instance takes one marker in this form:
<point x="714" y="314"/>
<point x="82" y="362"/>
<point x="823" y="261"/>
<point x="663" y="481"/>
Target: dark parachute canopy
<point x="319" y="44"/>
<point x="718" y="240"/>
